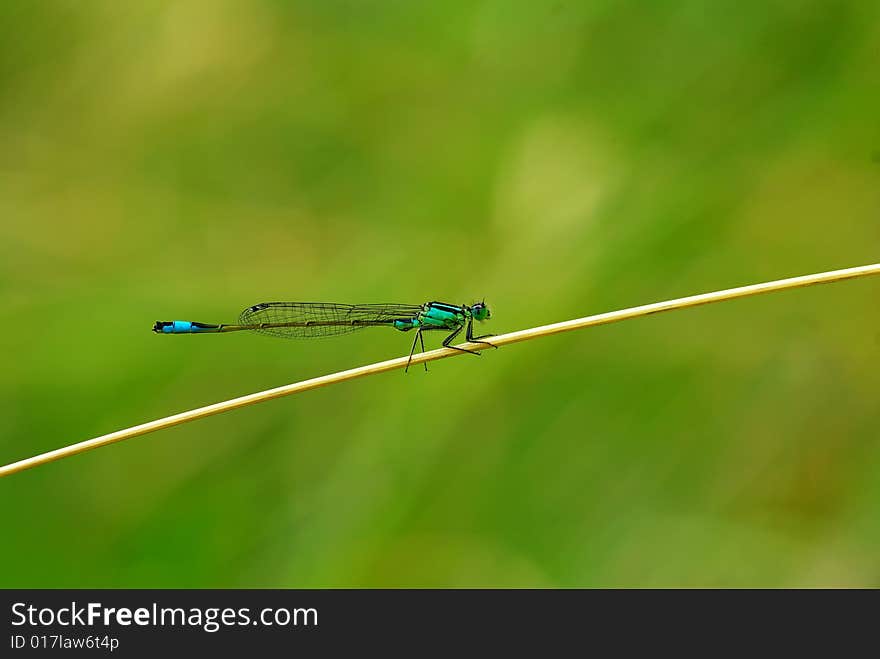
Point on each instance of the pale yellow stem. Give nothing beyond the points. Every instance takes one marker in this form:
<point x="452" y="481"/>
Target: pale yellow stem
<point x="431" y="355"/>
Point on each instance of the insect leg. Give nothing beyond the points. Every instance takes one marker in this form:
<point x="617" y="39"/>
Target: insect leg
<point x="476" y="339"/>
<point x="422" y="339"/>
<point x="449" y="339"/>
<point x="413" y="349"/>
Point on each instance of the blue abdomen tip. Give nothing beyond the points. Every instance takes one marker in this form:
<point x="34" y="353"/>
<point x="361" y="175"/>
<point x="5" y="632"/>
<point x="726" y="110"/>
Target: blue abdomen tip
<point x="179" y="327"/>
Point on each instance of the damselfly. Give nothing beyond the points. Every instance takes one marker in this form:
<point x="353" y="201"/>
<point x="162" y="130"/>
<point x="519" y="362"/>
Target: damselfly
<point x="306" y="320"/>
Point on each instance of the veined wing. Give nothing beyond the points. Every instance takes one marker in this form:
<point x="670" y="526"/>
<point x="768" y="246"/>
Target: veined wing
<point x="314" y="319"/>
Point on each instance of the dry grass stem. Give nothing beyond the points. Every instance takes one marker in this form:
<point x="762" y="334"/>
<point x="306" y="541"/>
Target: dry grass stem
<point x="442" y="353"/>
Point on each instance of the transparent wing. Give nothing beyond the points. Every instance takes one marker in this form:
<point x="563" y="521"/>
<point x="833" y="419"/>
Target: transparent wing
<point x="296" y="320"/>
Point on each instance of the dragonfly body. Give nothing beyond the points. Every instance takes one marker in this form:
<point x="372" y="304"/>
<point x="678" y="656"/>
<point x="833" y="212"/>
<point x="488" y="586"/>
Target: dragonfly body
<point x="318" y="319"/>
<point x="439" y="315"/>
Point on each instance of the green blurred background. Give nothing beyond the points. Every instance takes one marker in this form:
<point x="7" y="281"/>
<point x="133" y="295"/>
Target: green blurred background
<point x="165" y="160"/>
